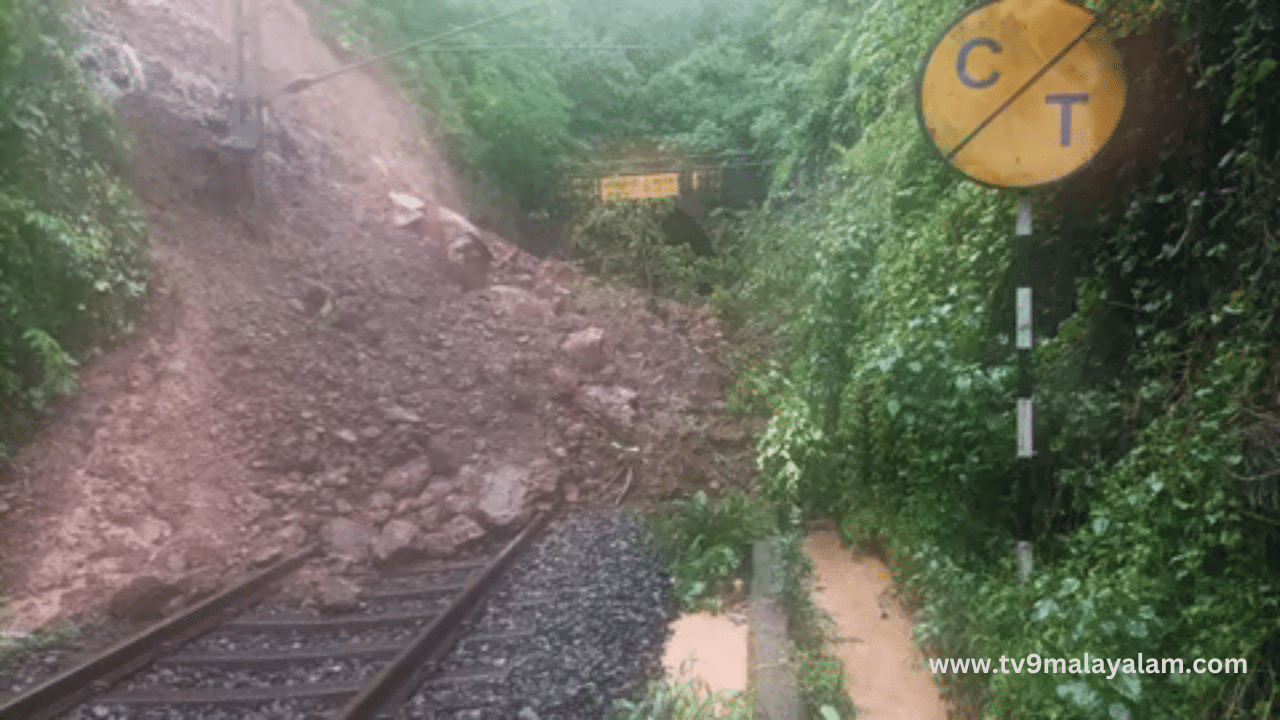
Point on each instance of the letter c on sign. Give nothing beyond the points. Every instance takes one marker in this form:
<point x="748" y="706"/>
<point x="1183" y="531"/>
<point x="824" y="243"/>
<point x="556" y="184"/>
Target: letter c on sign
<point x="962" y="63"/>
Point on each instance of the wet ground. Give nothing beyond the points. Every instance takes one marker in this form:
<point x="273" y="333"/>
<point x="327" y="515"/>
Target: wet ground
<point x="884" y="668"/>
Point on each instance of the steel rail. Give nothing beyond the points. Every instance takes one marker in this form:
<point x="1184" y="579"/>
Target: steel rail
<point x="98" y="674"/>
<point x="403" y="674"/>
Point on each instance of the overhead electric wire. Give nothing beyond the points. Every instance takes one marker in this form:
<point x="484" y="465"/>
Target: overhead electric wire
<point x="588" y="48"/>
<point x="305" y="82"/>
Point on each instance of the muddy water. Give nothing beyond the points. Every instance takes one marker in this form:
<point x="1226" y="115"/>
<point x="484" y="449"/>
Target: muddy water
<point x="710" y="647"/>
<point x="883" y="667"/>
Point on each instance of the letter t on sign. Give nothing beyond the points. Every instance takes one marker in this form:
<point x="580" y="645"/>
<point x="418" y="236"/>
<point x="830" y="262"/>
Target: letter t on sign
<point x="1066" y="100"/>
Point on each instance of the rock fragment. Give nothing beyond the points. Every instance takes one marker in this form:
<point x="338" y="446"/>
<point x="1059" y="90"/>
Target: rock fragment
<point x="144" y="598"/>
<point x="349" y="538"/>
<point x="609" y="402"/>
<point x="457" y="533"/>
<point x="445" y="225"/>
<point x="468" y="260"/>
<point x="408" y="479"/>
<point x="337" y="595"/>
<point x="504" y="496"/>
<point x="406" y="209"/>
<point x="265" y="557"/>
<point x="398" y="414"/>
<point x="585" y="349"/>
<point x="396" y="542"/>
<point x="292" y="536"/>
<point x="519" y="303"/>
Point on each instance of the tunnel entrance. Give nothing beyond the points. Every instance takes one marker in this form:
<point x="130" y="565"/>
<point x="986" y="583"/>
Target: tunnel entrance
<point x="681" y="229"/>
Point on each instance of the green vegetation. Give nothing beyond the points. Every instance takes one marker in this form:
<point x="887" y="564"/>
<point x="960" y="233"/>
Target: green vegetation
<point x="1156" y="392"/>
<point x="708" y="543"/>
<point x="71" y="255"/>
<point x="626" y="241"/>
<point x="682" y="699"/>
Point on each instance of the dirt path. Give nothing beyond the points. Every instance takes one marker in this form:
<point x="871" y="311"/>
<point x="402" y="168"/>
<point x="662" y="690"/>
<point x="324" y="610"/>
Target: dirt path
<point x="337" y="378"/>
<point x="883" y="666"/>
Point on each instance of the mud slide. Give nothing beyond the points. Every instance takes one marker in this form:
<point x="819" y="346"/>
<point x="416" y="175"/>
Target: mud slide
<point x="316" y="387"/>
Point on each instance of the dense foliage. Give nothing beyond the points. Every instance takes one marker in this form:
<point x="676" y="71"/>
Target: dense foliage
<point x="708" y="542"/>
<point x="1155" y="515"/>
<point x="71" y="260"/>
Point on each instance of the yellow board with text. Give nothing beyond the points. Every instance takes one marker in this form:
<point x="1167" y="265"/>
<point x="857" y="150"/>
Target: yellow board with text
<point x="640" y="186"/>
<point x="1021" y="93"/>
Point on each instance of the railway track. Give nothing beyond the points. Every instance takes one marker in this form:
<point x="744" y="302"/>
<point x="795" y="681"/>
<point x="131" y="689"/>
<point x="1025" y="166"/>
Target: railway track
<point x="253" y="652"/>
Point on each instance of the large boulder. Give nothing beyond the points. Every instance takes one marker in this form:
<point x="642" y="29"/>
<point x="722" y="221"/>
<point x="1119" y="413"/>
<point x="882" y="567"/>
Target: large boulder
<point x="468" y="260"/>
<point x="144" y="598"/>
<point x="348" y="538"/>
<point x="613" y="403"/>
<point x="337" y="595"/>
<point x="520" y="304"/>
<point x="504" y="496"/>
<point x="408" y="479"/>
<point x="448" y="540"/>
<point x="396" y="543"/>
<point x="585" y="349"/>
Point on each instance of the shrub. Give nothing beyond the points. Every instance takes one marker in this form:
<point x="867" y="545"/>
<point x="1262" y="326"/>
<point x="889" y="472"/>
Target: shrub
<point x="72" y="262"/>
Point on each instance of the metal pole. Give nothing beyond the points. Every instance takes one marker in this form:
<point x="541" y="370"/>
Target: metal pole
<point x="1024" y="340"/>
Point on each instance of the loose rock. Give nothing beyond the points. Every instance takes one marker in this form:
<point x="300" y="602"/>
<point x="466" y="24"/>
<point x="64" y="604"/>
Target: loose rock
<point x="504" y="495"/>
<point x="456" y="534"/>
<point x="585" y="349"/>
<point x="265" y="557"/>
<point x="397" y="414"/>
<point x="337" y="595"/>
<point x="609" y="402"/>
<point x="408" y="479"/>
<point x="396" y="542"/>
<point x="144" y="598"/>
<point x="468" y="261"/>
<point x="349" y="538"/>
<point x="519" y="303"/>
<point x="292" y="536"/>
<point x="335" y="478"/>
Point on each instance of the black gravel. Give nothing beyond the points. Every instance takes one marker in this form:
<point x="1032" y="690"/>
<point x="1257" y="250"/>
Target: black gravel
<point x="294" y="674"/>
<point x="226" y="641"/>
<point x="276" y="710"/>
<point x="580" y="620"/>
<point x="422" y="604"/>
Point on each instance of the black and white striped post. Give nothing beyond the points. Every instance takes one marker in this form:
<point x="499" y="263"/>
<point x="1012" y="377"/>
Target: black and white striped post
<point x="1024" y="340"/>
<point x="1003" y="96"/>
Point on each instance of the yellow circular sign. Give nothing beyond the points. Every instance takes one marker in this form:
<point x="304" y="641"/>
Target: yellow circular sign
<point x="1020" y="93"/>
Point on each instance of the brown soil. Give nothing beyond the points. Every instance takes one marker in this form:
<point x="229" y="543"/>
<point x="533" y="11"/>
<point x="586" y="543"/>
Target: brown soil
<point x="884" y="669"/>
<point x="272" y="385"/>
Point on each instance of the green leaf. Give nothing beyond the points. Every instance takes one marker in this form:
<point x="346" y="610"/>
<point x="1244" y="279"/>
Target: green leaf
<point x="1117" y="711"/>
<point x="1233" y="99"/>
<point x="1265" y="68"/>
<point x="1079" y="693"/>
